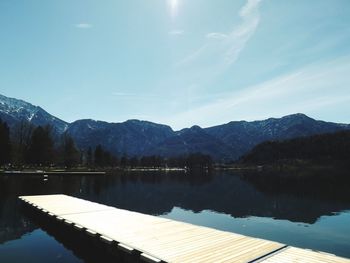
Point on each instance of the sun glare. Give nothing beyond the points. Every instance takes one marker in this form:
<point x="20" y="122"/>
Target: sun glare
<point x="174" y="4"/>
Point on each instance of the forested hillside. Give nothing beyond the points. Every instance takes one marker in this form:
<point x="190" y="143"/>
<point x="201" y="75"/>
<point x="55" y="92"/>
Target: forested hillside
<point x="317" y="148"/>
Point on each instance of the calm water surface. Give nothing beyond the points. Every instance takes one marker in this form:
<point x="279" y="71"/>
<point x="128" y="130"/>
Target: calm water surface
<point x="303" y="210"/>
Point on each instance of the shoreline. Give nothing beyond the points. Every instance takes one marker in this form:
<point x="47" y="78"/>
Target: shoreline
<point x="15" y="172"/>
<point x="89" y="172"/>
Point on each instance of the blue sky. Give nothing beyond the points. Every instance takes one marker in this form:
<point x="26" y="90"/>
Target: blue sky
<point x="178" y="62"/>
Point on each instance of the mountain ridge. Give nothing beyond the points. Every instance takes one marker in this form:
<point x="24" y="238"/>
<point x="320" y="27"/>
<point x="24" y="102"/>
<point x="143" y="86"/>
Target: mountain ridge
<point x="134" y="137"/>
<point x="14" y="110"/>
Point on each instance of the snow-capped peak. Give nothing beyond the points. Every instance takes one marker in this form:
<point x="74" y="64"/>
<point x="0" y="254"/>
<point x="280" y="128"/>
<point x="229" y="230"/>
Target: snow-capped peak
<point x="14" y="110"/>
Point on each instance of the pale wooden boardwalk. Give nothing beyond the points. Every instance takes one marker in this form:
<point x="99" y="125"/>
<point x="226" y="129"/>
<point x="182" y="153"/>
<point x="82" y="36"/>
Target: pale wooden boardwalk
<point x="163" y="240"/>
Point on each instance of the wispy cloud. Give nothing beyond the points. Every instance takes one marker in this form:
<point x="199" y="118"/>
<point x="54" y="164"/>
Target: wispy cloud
<point x="226" y="47"/>
<point x="176" y="32"/>
<point x="313" y="89"/>
<point x="216" y="35"/>
<point x="250" y="8"/>
<point x="83" y="25"/>
<point x="239" y="37"/>
<point x="193" y="56"/>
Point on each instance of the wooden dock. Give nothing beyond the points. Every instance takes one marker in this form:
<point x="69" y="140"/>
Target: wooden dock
<point x="157" y="239"/>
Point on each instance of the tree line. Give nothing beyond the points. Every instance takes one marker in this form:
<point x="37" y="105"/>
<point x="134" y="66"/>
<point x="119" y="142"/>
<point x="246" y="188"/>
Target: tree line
<point x="27" y="145"/>
<point x="5" y="145"/>
<point x="320" y="148"/>
<point x="190" y="161"/>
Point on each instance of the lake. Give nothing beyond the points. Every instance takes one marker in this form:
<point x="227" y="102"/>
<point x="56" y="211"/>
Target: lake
<point x="307" y="210"/>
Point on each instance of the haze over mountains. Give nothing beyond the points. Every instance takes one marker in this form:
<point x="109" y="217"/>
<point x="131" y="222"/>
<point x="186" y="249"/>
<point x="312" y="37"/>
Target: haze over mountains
<point x="141" y="138"/>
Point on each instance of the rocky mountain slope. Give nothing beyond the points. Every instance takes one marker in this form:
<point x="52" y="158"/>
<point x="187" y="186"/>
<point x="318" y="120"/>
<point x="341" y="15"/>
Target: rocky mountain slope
<point x="242" y="136"/>
<point x="133" y="137"/>
<point x="13" y="111"/>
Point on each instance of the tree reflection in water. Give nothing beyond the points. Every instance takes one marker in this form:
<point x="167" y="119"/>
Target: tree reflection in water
<point x="297" y="197"/>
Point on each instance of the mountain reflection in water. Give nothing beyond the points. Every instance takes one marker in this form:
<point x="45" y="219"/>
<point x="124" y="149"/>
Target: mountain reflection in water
<point x="226" y="196"/>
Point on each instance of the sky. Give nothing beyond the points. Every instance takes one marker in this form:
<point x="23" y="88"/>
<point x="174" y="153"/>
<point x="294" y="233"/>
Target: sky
<point x="178" y="62"/>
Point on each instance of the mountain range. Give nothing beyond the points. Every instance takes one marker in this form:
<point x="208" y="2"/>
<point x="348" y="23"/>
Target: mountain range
<point x="140" y="138"/>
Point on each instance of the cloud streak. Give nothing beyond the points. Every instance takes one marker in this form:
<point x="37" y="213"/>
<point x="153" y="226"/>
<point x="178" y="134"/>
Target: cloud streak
<point x="314" y="88"/>
<point x="224" y="48"/>
<point x="83" y="25"/>
<point x="239" y="37"/>
<point x="216" y="35"/>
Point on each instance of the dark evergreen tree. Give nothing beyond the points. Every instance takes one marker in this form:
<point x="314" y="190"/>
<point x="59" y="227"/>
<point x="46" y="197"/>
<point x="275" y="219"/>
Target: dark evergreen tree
<point x="134" y="162"/>
<point x="89" y="157"/>
<point x="41" y="151"/>
<point x="124" y="161"/>
<point x="5" y="144"/>
<point x="71" y="155"/>
<point x="179" y="161"/>
<point x="22" y="133"/>
<point x="98" y="156"/>
<point x="198" y="160"/>
<point x="107" y="158"/>
<point x="152" y="161"/>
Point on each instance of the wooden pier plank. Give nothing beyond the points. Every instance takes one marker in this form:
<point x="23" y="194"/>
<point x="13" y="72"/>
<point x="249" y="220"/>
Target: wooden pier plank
<point x="179" y="250"/>
<point x="168" y="240"/>
<point x="131" y="231"/>
<point x="293" y="254"/>
<point x="62" y="204"/>
<point x="241" y="251"/>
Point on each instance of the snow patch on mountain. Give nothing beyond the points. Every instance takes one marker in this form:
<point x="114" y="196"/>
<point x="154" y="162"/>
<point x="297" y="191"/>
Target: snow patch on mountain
<point x="18" y="110"/>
